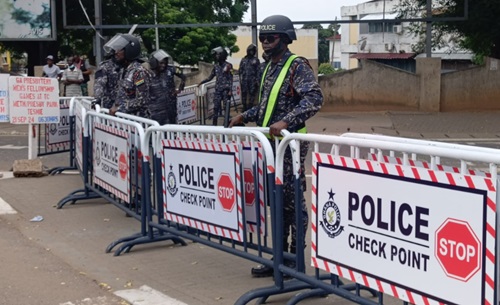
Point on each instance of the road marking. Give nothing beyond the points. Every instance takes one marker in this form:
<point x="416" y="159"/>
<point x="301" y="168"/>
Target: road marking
<point x="6" y="175"/>
<point x="10" y="146"/>
<point x="146" y="295"/>
<point x="5" y="208"/>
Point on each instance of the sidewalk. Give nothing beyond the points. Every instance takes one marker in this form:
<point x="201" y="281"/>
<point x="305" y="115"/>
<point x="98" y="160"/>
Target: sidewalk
<point x="77" y="235"/>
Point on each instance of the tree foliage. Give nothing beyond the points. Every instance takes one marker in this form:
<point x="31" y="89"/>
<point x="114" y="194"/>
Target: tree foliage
<point x="185" y="45"/>
<point x="479" y="33"/>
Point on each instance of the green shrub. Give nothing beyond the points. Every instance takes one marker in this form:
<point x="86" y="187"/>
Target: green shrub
<point x="325" y="68"/>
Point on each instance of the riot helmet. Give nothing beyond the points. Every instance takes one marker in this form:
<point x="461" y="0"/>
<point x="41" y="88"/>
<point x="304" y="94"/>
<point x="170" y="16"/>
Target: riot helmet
<point x="129" y="43"/>
<point x="220" y="53"/>
<point x="251" y="50"/>
<point x="278" y="24"/>
<point x="156" y="57"/>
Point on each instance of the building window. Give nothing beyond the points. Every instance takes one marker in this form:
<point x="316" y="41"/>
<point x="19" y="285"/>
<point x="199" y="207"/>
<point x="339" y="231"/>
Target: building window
<point x="336" y="64"/>
<point x="386" y="27"/>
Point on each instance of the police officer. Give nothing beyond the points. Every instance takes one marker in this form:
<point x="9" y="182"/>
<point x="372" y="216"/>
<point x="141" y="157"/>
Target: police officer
<point x="106" y="80"/>
<point x="289" y="96"/>
<point x="249" y="69"/>
<point x="133" y="89"/>
<point x="163" y="105"/>
<point x="223" y="71"/>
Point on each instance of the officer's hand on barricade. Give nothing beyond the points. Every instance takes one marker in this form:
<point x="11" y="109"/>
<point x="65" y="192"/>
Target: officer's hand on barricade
<point x="276" y="128"/>
<point x="113" y="110"/>
<point x="236" y="121"/>
<point x="95" y="102"/>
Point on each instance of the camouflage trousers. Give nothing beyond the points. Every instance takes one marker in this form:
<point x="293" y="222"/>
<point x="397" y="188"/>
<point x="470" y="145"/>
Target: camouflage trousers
<point x="167" y="114"/>
<point x="220" y="96"/>
<point x="248" y="94"/>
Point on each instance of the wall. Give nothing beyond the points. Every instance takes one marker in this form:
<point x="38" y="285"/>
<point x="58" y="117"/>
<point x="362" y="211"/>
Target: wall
<point x="373" y="86"/>
<point x="472" y="89"/>
<point x="376" y="87"/>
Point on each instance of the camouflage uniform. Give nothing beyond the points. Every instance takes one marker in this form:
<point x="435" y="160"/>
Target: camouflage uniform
<point x="171" y="93"/>
<point x="163" y="105"/>
<point x="133" y="91"/>
<point x="249" y="70"/>
<point x="106" y="83"/>
<point x="223" y="85"/>
<point x="299" y="98"/>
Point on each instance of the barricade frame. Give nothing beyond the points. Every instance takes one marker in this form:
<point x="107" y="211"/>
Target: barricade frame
<point x="317" y="285"/>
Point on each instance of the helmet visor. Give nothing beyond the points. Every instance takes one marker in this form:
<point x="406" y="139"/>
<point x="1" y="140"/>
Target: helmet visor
<point x="161" y="55"/>
<point x="116" y="43"/>
<point x="217" y="50"/>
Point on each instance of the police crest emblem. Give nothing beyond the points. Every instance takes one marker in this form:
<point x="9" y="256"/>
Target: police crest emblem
<point x="172" y="182"/>
<point x="331" y="218"/>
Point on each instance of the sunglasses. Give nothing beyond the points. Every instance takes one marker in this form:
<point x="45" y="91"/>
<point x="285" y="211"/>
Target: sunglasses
<point x="270" y="38"/>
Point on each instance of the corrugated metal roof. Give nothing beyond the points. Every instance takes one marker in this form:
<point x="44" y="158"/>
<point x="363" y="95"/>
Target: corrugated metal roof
<point x="383" y="55"/>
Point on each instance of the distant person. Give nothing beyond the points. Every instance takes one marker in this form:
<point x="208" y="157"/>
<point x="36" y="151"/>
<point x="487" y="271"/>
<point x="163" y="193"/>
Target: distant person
<point x="50" y="70"/>
<point x="80" y="64"/>
<point x="163" y="104"/>
<point x="72" y="78"/>
<point x="223" y="71"/>
<point x="106" y="81"/>
<point x="249" y="71"/>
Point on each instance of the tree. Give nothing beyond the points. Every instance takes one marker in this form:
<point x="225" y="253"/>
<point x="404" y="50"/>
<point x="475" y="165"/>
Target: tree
<point x="186" y="45"/>
<point x="479" y="33"/>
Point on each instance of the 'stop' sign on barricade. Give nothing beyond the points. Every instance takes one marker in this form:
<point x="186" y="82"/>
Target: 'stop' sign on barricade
<point x="33" y="100"/>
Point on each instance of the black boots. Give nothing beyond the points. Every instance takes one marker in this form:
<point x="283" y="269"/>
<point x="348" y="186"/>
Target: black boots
<point x="262" y="271"/>
<point x="265" y="271"/>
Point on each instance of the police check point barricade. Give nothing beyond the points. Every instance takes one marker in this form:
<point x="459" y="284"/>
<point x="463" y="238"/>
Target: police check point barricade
<point x="412" y="219"/>
<point x="423" y="235"/>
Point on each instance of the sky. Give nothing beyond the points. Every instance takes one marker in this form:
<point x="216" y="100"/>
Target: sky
<point x="301" y="10"/>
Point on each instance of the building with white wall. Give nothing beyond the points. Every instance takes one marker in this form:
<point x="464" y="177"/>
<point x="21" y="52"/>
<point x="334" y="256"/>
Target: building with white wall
<point x="334" y="47"/>
<point x="388" y="40"/>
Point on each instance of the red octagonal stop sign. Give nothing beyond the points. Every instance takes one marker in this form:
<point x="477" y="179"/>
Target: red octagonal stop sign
<point x="249" y="187"/>
<point x="458" y="249"/>
<point x="226" y="192"/>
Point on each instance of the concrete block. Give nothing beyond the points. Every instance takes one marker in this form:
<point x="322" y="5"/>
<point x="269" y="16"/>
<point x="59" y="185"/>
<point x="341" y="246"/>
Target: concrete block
<point x="28" y="168"/>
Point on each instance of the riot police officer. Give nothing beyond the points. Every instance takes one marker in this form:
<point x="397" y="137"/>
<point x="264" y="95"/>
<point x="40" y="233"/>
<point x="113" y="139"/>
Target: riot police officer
<point x="163" y="105"/>
<point x="133" y="89"/>
<point x="249" y="72"/>
<point x="106" y="80"/>
<point x="223" y="71"/>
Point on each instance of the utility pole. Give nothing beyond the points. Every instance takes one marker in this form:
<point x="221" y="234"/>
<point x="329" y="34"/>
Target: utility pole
<point x="156" y="30"/>
<point x="253" y="10"/>
<point x="428" y="30"/>
<point x="98" y="33"/>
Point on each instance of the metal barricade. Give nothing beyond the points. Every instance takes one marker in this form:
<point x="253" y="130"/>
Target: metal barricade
<point x="78" y="108"/>
<point x="58" y="138"/>
<point x="199" y="178"/>
<point x="422" y="235"/>
<point x="189" y="106"/>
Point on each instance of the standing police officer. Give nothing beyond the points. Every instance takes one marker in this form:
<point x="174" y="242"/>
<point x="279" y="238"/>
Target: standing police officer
<point x="289" y="95"/>
<point x="248" y="71"/>
<point x="106" y="80"/>
<point x="133" y="89"/>
<point x="163" y="105"/>
<point x="224" y="81"/>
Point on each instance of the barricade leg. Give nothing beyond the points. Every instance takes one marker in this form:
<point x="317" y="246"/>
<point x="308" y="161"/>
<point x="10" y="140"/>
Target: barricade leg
<point x="148" y="233"/>
<point x="87" y="192"/>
